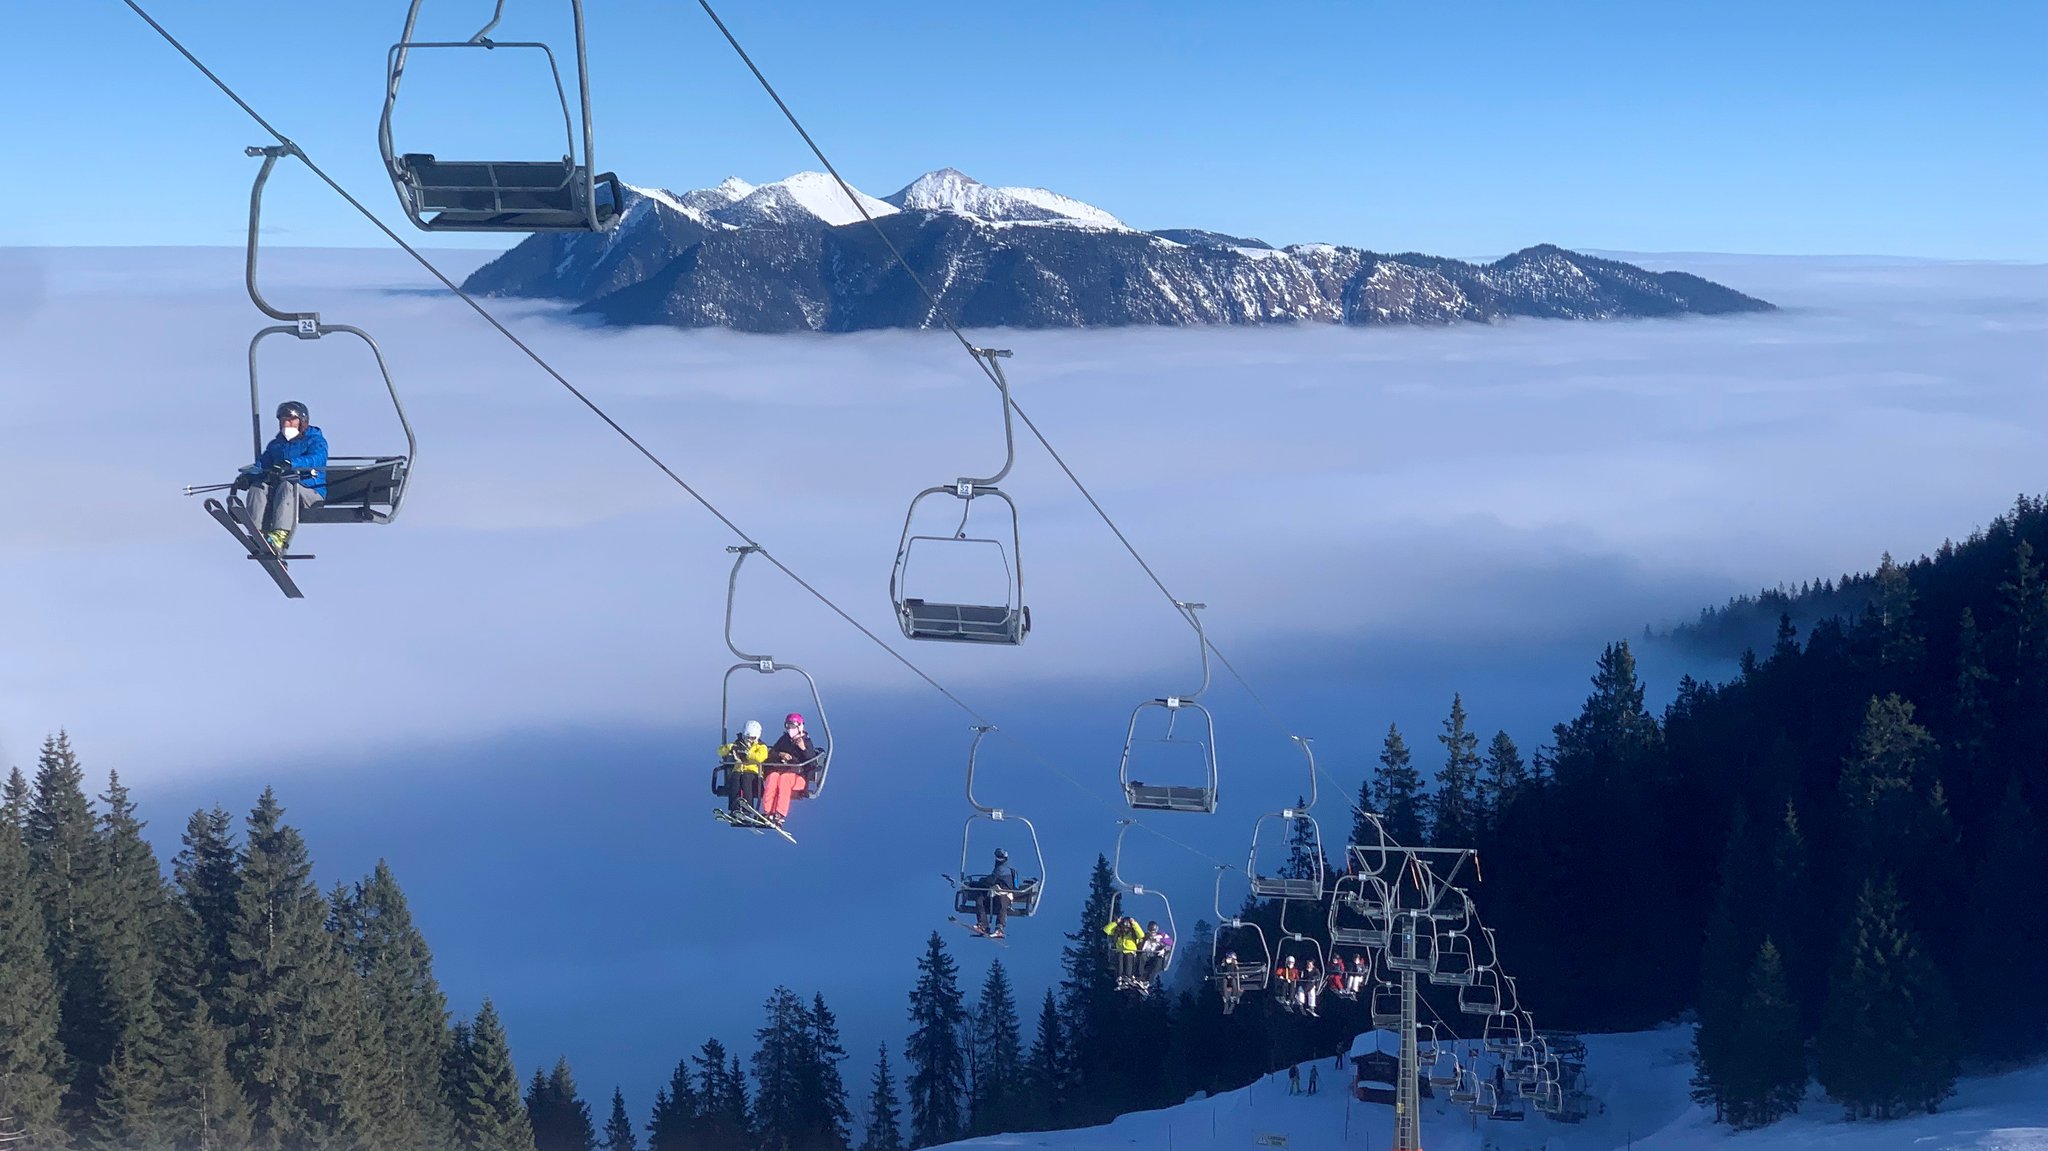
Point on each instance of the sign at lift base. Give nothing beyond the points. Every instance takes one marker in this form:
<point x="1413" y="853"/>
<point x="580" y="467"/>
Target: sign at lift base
<point x="1268" y="1139"/>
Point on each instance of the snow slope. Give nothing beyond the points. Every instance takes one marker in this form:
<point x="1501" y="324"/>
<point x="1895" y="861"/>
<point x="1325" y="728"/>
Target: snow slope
<point x="1639" y="1082"/>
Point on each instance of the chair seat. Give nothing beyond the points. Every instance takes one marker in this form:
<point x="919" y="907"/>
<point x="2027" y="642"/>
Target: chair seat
<point x="509" y="195"/>
<point x="1273" y="887"/>
<point x="1157" y="797"/>
<point x="360" y="491"/>
<point x="967" y="623"/>
<point x="1023" y="900"/>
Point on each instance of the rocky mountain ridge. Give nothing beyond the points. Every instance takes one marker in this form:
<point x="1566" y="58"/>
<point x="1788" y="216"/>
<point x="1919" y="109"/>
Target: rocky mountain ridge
<point x="796" y="255"/>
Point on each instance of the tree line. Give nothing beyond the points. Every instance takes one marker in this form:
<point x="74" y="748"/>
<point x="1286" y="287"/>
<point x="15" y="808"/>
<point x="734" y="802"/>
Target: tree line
<point x="1834" y="858"/>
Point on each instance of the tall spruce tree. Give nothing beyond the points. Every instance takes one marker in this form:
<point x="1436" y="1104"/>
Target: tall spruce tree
<point x="1733" y="933"/>
<point x="68" y="874"/>
<point x="1900" y="642"/>
<point x="828" y="1120"/>
<point x="293" y="1007"/>
<point x="1771" y="1078"/>
<point x="885" y="1113"/>
<point x="1502" y="778"/>
<point x="127" y="1108"/>
<point x="32" y="1062"/>
<point x="559" y="1117"/>
<point x="618" y="1130"/>
<point x="1887" y="1044"/>
<point x="780" y="1055"/>
<point x="2008" y="918"/>
<point x="404" y="1001"/>
<point x="678" y="1110"/>
<point x="489" y="1113"/>
<point x="1397" y="791"/>
<point x="1045" y="1066"/>
<point x="1305" y="859"/>
<point x="1455" y="808"/>
<point x="937" y="1059"/>
<point x="1090" y="1004"/>
<point x="997" y="1057"/>
<point x="722" y="1118"/>
<point x="208" y="876"/>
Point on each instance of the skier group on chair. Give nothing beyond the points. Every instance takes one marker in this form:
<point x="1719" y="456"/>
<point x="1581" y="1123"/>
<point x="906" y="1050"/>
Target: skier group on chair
<point x="761" y="779"/>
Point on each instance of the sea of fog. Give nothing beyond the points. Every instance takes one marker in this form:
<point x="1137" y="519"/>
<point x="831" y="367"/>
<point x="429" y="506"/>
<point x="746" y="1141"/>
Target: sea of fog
<point x="512" y="692"/>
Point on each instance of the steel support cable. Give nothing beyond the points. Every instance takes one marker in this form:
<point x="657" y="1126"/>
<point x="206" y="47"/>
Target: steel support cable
<point x="1046" y="761"/>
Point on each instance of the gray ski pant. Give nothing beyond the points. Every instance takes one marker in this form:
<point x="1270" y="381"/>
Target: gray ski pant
<point x="275" y="506"/>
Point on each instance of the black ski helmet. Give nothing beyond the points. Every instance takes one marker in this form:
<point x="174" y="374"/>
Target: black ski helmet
<point x="1002" y="856"/>
<point x="292" y="409"/>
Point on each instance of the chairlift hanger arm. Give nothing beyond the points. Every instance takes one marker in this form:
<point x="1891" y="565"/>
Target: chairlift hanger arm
<point x="968" y="487"/>
<point x="973" y="752"/>
<point x="307" y="323"/>
<point x="740" y="552"/>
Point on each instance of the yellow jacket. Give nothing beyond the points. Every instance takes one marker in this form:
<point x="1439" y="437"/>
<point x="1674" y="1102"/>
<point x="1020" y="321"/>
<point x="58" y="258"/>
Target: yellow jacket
<point x="748" y="761"/>
<point x="1125" y="941"/>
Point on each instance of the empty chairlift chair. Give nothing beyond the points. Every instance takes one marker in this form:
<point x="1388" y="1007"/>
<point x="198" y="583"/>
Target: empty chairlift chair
<point x="952" y="620"/>
<point x="1177" y="743"/>
<point x="562" y="194"/>
<point x="1290" y="825"/>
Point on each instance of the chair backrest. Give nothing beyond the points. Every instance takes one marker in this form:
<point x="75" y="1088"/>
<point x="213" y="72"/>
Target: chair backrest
<point x="360" y="491"/>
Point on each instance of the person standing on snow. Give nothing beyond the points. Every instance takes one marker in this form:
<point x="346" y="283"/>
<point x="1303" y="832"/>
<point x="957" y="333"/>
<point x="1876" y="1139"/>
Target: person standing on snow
<point x="289" y="477"/>
<point x="1294" y="1079"/>
<point x="1313" y="1079"/>
<point x="992" y="899"/>
<point x="787" y="761"/>
<point x="743" y="758"/>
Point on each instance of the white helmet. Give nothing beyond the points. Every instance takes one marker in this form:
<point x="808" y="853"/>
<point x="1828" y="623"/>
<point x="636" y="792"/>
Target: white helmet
<point x="752" y="730"/>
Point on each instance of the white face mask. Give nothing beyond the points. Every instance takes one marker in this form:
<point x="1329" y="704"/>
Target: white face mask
<point x="289" y="431"/>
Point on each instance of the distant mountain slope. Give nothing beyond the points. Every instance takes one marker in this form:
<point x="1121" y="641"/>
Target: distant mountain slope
<point x="796" y="255"/>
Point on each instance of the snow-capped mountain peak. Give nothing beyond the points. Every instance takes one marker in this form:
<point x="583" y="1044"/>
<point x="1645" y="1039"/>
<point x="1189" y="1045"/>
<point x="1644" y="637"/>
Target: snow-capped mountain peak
<point x="951" y="190"/>
<point x="814" y="194"/>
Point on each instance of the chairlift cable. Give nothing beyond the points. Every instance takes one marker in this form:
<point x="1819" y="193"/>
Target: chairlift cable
<point x="485" y="313"/>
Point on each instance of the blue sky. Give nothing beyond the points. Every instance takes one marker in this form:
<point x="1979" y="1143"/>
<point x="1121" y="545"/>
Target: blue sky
<point x="1467" y="129"/>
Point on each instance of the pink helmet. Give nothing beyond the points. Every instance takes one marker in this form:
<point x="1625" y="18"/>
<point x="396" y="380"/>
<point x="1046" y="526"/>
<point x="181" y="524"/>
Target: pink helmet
<point x="792" y="719"/>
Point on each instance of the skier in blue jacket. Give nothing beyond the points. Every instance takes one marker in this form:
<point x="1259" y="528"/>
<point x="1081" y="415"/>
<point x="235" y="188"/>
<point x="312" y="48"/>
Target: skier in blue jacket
<point x="290" y="476"/>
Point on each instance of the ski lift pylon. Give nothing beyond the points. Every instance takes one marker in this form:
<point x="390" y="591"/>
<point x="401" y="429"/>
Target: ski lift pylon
<point x="558" y="195"/>
<point x="1197" y="797"/>
<point x="1006" y="623"/>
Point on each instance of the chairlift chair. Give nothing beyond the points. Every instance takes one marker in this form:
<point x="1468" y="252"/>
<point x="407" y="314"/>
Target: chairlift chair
<point x="969" y="888"/>
<point x="1444" y="1069"/>
<point x="1503" y="1033"/>
<point x="1482" y="996"/>
<point x="1384" y="1004"/>
<point x="813" y="769"/>
<point x="1004" y="624"/>
<point x="1125" y="887"/>
<point x="360" y="489"/>
<point x="1360" y="911"/>
<point x="1412" y="944"/>
<point x="555" y="195"/>
<point x="1235" y="936"/>
<point x="1466" y="1090"/>
<point x="1275" y="883"/>
<point x="1193" y="797"/>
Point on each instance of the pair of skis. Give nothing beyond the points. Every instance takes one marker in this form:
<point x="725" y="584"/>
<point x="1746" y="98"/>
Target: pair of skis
<point x="234" y="516"/>
<point x="978" y="933"/>
<point x="746" y="815"/>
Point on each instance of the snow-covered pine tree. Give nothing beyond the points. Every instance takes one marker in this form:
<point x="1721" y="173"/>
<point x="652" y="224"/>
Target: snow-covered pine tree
<point x="937" y="1059"/>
